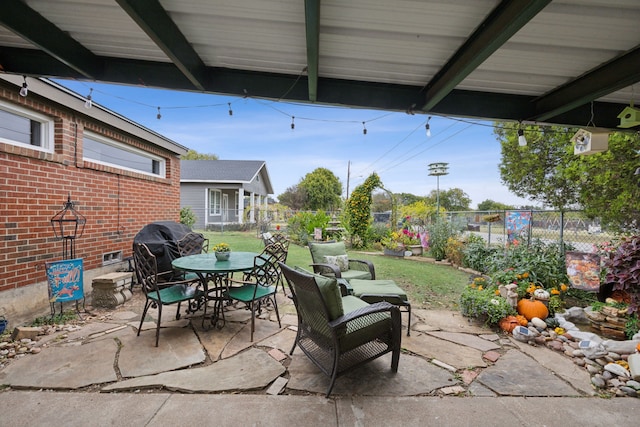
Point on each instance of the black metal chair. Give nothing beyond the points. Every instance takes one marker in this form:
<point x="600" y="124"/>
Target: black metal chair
<point x="192" y="243"/>
<point x="340" y="333"/>
<point x="160" y="293"/>
<point x="259" y="287"/>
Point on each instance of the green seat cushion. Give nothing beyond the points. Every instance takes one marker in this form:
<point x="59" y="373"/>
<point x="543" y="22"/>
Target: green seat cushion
<point x="350" y="275"/>
<point x="174" y="294"/>
<point x="330" y="292"/>
<point x="358" y="333"/>
<point x="377" y="287"/>
<point x="320" y="250"/>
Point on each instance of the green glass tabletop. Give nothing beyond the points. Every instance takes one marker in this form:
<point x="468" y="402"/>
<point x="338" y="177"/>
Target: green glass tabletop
<point x="207" y="263"/>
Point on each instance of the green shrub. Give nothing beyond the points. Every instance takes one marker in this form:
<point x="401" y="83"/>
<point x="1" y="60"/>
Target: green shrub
<point x="187" y="217"/>
<point x="439" y="233"/>
<point x="476" y="255"/>
<point x="302" y="225"/>
<point x="483" y="303"/>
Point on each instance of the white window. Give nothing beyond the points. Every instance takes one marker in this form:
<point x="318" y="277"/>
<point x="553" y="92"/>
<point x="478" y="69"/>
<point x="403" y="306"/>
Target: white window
<point x="19" y="126"/>
<point x="99" y="149"/>
<point x="215" y="202"/>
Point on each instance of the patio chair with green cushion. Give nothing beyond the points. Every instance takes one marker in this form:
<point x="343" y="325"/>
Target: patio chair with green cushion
<point x="159" y="294"/>
<point x="339" y="333"/>
<point x="331" y="260"/>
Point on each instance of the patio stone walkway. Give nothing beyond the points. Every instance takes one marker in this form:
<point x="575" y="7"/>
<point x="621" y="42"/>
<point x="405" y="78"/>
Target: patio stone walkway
<point x="446" y="354"/>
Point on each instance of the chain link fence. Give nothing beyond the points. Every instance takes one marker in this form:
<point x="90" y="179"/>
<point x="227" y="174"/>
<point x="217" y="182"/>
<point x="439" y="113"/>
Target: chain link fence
<point x="571" y="230"/>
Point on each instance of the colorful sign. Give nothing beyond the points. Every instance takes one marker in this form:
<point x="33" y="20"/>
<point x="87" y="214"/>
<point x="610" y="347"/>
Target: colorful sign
<point x="65" y="280"/>
<point x="583" y="269"/>
<point x="517" y="224"/>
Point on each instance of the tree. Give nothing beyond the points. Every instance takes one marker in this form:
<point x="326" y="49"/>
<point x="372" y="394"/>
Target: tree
<point x="381" y="202"/>
<point x="194" y="155"/>
<point x="358" y="211"/>
<point x="608" y="184"/>
<point x="323" y="190"/>
<point x="547" y="170"/>
<point x="453" y="199"/>
<point x="293" y="197"/>
<point x="538" y="171"/>
<point x="490" y="205"/>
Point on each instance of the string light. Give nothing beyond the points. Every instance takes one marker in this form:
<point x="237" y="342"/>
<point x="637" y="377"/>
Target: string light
<point x="428" y="128"/>
<point x="522" y="141"/>
<point x="364" y="129"/>
<point x="24" y="91"/>
<point x="159" y="116"/>
<point x="293" y="125"/>
<point x="88" y="103"/>
<point x="230" y="110"/>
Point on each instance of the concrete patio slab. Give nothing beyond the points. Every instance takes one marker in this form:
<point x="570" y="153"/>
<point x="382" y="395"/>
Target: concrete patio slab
<point x="414" y="376"/>
<point x="453" y="354"/>
<point x="242" y="340"/>
<point x="64" y="367"/>
<point x="252" y="369"/>
<point x="445" y="320"/>
<point x="516" y="374"/>
<point x="466" y="339"/>
<point x="178" y="348"/>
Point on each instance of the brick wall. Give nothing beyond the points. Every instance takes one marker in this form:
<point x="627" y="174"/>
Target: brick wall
<point x="35" y="185"/>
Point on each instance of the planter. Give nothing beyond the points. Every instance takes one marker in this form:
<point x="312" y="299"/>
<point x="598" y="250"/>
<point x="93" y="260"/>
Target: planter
<point x="223" y="256"/>
<point x="415" y="249"/>
<point x="392" y="252"/>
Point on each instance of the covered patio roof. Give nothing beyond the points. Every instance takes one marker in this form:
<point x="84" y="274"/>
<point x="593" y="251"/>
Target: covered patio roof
<point x="569" y="62"/>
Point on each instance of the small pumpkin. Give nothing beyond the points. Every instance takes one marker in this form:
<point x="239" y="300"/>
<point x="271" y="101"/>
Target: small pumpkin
<point x="552" y="322"/>
<point x="522" y="320"/>
<point x="508" y="323"/>
<point x="531" y="308"/>
<point x="541" y="294"/>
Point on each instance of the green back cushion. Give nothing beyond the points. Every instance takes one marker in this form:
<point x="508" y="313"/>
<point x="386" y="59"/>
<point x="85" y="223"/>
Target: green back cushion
<point x="330" y="292"/>
<point x="320" y="250"/>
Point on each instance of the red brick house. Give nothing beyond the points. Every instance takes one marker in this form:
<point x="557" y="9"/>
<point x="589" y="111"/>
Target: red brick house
<point x="120" y="175"/>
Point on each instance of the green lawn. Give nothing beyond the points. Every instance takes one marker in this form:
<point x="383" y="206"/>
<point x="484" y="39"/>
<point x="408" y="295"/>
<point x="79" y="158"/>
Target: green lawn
<point x="428" y="285"/>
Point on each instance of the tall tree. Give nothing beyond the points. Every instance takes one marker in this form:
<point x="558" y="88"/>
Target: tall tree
<point x="538" y="170"/>
<point x="491" y="205"/>
<point x="194" y="155"/>
<point x="323" y="190"/>
<point x="453" y="199"/>
<point x="293" y="197"/>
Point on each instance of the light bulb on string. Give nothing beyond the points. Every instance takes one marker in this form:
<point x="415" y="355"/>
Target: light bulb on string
<point x="158" y="116"/>
<point x="293" y="125"/>
<point x="88" y="103"/>
<point x="522" y="141"/>
<point x="24" y="91"/>
<point x="428" y="128"/>
<point x="364" y="129"/>
<point x="230" y="110"/>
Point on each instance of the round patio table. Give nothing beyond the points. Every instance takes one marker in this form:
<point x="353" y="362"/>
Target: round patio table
<point x="214" y="277"/>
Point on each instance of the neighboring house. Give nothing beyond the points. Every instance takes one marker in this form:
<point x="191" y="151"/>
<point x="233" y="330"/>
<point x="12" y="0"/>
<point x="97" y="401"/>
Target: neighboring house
<point x="220" y="191"/>
<point x="121" y="175"/>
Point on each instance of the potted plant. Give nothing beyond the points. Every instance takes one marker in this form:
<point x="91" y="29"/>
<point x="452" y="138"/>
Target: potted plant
<point x="222" y="251"/>
<point x="393" y="245"/>
<point x="623" y="271"/>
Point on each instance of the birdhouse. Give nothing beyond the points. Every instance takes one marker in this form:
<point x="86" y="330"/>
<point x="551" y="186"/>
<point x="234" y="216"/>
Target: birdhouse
<point x="586" y="142"/>
<point x="629" y="117"/>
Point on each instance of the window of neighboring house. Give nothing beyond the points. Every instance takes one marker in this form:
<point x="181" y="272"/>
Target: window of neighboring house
<point x="106" y="151"/>
<point x="215" y="202"/>
<point x="19" y="126"/>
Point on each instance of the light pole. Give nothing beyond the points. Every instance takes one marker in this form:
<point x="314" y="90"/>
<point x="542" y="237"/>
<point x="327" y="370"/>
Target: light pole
<point x="437" y="170"/>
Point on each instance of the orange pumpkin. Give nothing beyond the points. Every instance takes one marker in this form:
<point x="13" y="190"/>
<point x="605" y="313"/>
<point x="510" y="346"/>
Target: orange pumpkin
<point x="522" y="320"/>
<point x="508" y="323"/>
<point x="530" y="308"/>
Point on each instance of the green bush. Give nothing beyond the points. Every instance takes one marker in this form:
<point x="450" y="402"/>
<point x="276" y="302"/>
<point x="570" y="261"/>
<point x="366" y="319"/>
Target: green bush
<point x="483" y="303"/>
<point x="187" y="217"/>
<point x="302" y="225"/>
<point x="476" y="254"/>
<point x="439" y="233"/>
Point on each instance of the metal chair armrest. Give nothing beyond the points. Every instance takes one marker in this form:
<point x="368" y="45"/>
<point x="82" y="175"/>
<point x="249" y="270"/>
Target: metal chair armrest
<point x="378" y="307"/>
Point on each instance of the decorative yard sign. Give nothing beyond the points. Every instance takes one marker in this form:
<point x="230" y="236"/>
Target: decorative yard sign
<point x="65" y="280"/>
<point x="518" y="224"/>
<point x="583" y="269"/>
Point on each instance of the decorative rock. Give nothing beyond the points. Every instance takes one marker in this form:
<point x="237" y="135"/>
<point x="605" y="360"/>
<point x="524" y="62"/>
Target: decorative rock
<point x="633" y="384"/>
<point x="601" y="362"/>
<point x="35" y="350"/>
<point x="593" y="369"/>
<point x="614" y="356"/>
<point x="539" y="323"/>
<point x="577" y="353"/>
<point x="629" y="391"/>
<point x="618" y="370"/>
<point x="598" y="381"/>
<point x="579" y="361"/>
<point x="607" y="375"/>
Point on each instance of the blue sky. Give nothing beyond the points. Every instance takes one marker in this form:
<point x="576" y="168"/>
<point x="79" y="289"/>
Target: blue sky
<point x="396" y="145"/>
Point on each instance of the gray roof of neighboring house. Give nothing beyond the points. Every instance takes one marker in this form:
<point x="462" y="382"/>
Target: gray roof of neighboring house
<point x="240" y="171"/>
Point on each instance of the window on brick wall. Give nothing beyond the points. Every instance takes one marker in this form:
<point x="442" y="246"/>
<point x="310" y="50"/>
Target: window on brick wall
<point x="19" y="126"/>
<point x="98" y="149"/>
<point x="215" y="202"/>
